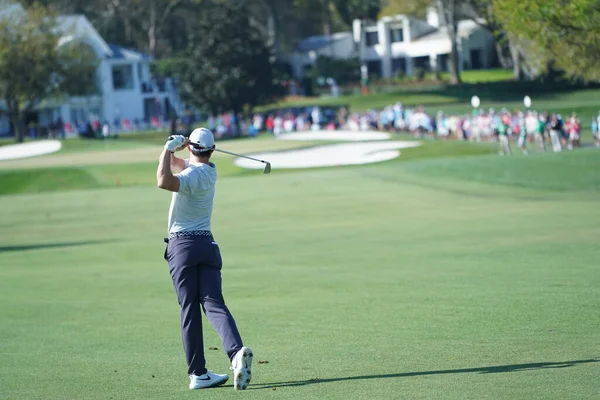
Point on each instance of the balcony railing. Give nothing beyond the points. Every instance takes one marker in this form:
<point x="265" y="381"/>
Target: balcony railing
<point x="158" y="86"/>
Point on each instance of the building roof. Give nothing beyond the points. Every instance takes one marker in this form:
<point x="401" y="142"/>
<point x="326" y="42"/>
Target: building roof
<point x="313" y="43"/>
<point x="122" y="53"/>
<point x="465" y="28"/>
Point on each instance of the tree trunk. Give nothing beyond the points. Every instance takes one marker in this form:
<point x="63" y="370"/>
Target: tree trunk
<point x="515" y="55"/>
<point x="453" y="64"/>
<point x="152" y="30"/>
<point x="503" y="51"/>
<point x="327" y="25"/>
<point x="447" y="9"/>
<point x="273" y="27"/>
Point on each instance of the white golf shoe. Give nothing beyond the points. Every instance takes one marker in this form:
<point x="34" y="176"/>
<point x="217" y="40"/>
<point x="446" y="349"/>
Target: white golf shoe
<point x="242" y="365"/>
<point x="207" y="380"/>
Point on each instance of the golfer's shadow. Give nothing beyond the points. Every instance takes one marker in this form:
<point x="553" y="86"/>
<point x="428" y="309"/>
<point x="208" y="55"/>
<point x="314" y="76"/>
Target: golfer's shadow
<point x="482" y="370"/>
<point x="42" y="246"/>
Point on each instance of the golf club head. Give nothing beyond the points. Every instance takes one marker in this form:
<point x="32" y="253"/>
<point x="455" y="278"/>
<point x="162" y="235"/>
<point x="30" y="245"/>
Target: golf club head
<point x="267" y="168"/>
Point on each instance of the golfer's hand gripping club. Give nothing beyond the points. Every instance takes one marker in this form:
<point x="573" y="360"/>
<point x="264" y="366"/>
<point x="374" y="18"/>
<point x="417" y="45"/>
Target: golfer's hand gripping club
<point x="176" y="143"/>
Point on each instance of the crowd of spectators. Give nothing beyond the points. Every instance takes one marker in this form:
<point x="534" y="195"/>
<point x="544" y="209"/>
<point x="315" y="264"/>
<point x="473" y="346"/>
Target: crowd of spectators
<point x="520" y="126"/>
<point x="545" y="130"/>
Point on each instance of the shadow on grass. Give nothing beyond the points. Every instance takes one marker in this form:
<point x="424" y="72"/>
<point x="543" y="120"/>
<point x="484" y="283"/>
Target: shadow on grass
<point x="26" y="247"/>
<point x="480" y="370"/>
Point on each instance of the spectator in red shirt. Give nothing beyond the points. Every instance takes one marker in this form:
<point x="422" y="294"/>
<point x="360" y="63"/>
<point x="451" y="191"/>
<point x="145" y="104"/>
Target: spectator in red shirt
<point x="270" y="124"/>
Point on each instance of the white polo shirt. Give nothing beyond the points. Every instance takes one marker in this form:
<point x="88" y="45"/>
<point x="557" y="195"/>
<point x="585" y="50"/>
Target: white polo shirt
<point x="191" y="207"/>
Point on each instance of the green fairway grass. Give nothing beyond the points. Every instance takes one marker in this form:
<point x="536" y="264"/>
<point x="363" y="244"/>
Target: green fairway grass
<point x="100" y="168"/>
<point x="458" y="99"/>
<point x="569" y="172"/>
<point x="450" y="273"/>
<point x="483" y="75"/>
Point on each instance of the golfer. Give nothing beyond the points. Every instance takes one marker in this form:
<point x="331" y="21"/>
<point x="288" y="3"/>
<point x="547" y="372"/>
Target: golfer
<point x="195" y="260"/>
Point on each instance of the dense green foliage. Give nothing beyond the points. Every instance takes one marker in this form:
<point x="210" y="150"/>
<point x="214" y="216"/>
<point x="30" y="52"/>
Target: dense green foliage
<point x="228" y="66"/>
<point x="163" y="27"/>
<point x="562" y="32"/>
<point x="343" y="71"/>
<point x="358" y="9"/>
<point x="159" y="27"/>
<point x="33" y="68"/>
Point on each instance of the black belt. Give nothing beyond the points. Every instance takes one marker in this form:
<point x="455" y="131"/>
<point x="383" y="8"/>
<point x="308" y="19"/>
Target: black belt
<point x="187" y="233"/>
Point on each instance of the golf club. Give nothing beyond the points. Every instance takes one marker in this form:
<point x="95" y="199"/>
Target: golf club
<point x="267" y="164"/>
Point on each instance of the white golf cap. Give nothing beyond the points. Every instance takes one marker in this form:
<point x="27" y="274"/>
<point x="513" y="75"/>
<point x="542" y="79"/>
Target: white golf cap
<point x="202" y="137"/>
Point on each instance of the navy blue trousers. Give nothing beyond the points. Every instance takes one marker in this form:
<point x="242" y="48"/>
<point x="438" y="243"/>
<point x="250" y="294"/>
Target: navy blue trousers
<point x="195" y="266"/>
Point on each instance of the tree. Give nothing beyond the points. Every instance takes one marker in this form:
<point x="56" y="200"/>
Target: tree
<point x="228" y="66"/>
<point x="409" y="7"/>
<point x="449" y="12"/>
<point x="148" y="25"/>
<point x="363" y="10"/>
<point x="146" y="18"/>
<point x="318" y="7"/>
<point x="278" y="17"/>
<point x="162" y="27"/>
<point x="562" y="33"/>
<point x="511" y="51"/>
<point x="33" y="67"/>
<point x="310" y="17"/>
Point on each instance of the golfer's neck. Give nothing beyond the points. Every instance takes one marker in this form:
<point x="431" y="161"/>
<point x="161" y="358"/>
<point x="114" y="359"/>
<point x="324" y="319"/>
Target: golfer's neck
<point x="199" y="160"/>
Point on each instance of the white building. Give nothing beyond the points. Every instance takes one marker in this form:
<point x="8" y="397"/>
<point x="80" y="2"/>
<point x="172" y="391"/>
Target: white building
<point x="401" y="43"/>
<point x="338" y="45"/>
<point x="126" y="91"/>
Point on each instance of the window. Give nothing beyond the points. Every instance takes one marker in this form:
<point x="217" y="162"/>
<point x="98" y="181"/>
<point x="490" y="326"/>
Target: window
<point x="396" y="35"/>
<point x="399" y="64"/>
<point x="372" y="38"/>
<point x="374" y="69"/>
<point x="422" y="62"/>
<point x="442" y="62"/>
<point x="122" y="77"/>
<point x="476" y="57"/>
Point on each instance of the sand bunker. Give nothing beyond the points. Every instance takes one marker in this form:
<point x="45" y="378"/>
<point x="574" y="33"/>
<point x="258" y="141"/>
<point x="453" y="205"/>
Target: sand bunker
<point x="330" y="155"/>
<point x="32" y="149"/>
<point x="363" y="151"/>
<point x="335" y="136"/>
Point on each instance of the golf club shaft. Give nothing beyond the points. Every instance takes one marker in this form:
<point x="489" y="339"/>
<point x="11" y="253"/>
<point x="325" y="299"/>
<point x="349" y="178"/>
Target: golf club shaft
<point x="242" y="156"/>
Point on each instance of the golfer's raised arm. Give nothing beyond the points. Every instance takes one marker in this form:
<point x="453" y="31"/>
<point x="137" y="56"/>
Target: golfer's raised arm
<point x="177" y="164"/>
<point x="164" y="176"/>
